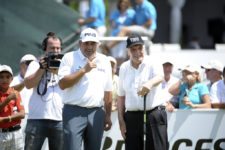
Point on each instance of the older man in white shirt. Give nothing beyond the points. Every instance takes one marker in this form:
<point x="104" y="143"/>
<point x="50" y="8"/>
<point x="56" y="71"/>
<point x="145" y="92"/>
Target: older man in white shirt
<point x="138" y="77"/>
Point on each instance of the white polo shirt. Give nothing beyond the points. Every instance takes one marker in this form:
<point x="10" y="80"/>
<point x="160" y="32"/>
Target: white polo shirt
<point x="217" y="92"/>
<point x="130" y="80"/>
<point x="165" y="95"/>
<point x="48" y="106"/>
<point x="89" y="91"/>
<point x="25" y="93"/>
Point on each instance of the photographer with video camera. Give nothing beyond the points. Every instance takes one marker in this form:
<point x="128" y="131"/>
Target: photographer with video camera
<point x="45" y="105"/>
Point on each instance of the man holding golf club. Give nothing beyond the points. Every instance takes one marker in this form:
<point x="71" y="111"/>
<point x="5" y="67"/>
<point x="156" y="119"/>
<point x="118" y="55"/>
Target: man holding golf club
<point x="142" y="118"/>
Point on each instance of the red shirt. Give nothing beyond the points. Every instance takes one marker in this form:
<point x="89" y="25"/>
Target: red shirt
<point x="11" y="108"/>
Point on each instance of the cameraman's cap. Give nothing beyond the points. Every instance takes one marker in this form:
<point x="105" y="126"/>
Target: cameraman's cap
<point x="134" y="39"/>
<point x="6" y="68"/>
<point x="214" y="64"/>
<point x="27" y="57"/>
<point x="89" y="35"/>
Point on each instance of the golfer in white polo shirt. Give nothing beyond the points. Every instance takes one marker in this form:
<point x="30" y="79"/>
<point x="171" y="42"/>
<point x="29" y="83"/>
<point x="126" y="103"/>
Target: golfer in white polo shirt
<point x="140" y="76"/>
<point x="86" y="78"/>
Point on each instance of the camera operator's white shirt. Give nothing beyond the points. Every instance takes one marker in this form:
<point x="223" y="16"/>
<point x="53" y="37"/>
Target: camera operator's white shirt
<point x="48" y="106"/>
<point x="89" y="91"/>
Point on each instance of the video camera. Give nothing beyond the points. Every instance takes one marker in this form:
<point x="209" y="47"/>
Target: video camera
<point x="53" y="60"/>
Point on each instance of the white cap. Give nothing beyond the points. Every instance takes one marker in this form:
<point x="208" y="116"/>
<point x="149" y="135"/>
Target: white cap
<point x="89" y="34"/>
<point x="6" y="68"/>
<point x="167" y="60"/>
<point x="191" y="68"/>
<point x="214" y="64"/>
<point x="112" y="59"/>
<point x="27" y="57"/>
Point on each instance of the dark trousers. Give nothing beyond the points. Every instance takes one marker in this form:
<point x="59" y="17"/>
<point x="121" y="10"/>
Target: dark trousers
<point x="37" y="130"/>
<point x="156" y="130"/>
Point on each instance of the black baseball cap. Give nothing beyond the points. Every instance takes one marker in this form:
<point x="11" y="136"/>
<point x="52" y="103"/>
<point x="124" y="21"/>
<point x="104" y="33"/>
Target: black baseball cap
<point x="134" y="39"/>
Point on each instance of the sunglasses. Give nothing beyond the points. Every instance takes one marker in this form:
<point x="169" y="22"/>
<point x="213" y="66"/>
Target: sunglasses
<point x="28" y="62"/>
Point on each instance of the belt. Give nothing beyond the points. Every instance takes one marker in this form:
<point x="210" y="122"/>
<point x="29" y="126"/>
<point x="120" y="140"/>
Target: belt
<point x="71" y="105"/>
<point x="148" y="111"/>
<point x="158" y="108"/>
<point x="10" y="129"/>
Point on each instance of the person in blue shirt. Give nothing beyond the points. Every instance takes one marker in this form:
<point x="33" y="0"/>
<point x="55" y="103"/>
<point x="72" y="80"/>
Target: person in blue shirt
<point x="122" y="16"/>
<point x="191" y="92"/>
<point x="145" y="17"/>
<point x="95" y="17"/>
<point x="144" y="22"/>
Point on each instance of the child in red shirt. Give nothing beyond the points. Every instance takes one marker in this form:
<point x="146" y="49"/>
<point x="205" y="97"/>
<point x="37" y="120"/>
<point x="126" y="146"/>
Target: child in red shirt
<point x="11" y="112"/>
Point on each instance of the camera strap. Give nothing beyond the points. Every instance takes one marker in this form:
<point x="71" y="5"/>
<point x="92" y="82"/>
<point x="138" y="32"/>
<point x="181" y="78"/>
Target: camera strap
<point x="45" y="84"/>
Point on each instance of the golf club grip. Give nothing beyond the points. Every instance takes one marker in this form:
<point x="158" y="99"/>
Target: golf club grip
<point x="145" y="108"/>
<point x="144" y="124"/>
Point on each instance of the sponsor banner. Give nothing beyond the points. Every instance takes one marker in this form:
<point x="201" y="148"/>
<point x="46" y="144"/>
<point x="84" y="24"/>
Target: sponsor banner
<point x="187" y="130"/>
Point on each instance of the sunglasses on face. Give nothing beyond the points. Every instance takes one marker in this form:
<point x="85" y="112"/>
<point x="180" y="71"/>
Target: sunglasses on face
<point x="207" y="70"/>
<point x="28" y="62"/>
